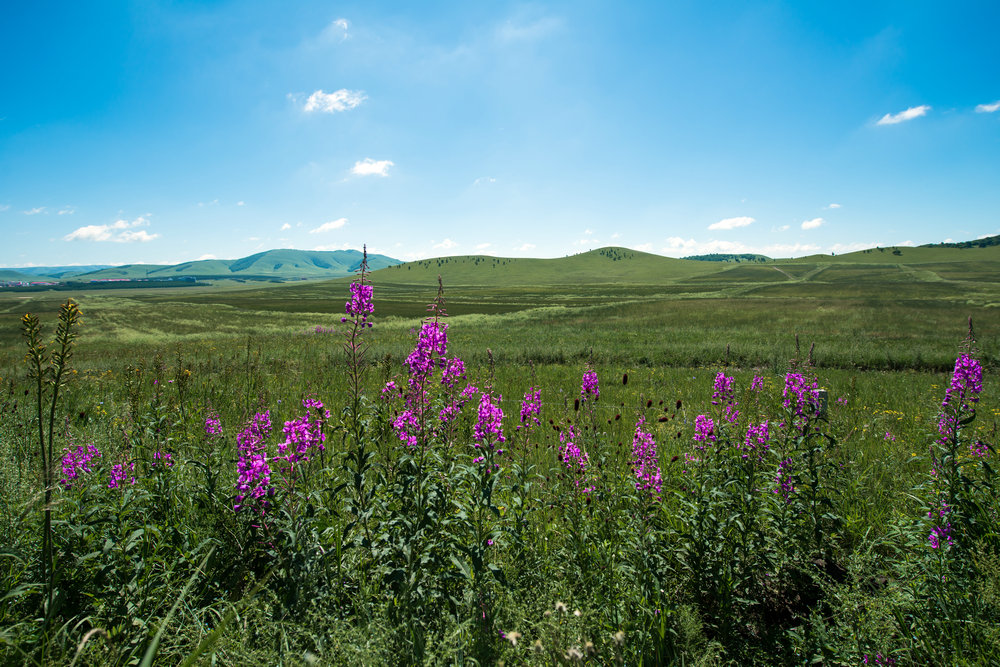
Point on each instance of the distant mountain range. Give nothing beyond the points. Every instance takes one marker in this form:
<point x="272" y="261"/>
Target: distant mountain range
<point x="269" y="265"/>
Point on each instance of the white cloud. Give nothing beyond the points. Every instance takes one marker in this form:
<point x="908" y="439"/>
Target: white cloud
<point x="334" y="246"/>
<point x="370" y="167"/>
<point x="447" y="244"/>
<point x="214" y="202"/>
<point x="241" y="203"/>
<point x="285" y="226"/>
<point x="338" y="100"/>
<point x="948" y="240"/>
<point x="616" y="235"/>
<point x="680" y="247"/>
<point x="841" y="248"/>
<point x="142" y="236"/>
<point x="833" y="206"/>
<point x="329" y="226"/>
<point x="35" y="211"/>
<point x="484" y="180"/>
<point x="906" y="244"/>
<point x="483" y="246"/>
<point x="784" y="228"/>
<point x="988" y="108"/>
<point x="588" y="232"/>
<point x="207" y="256"/>
<point x="643" y="247"/>
<point x="117" y="232"/>
<point x="337" y="30"/>
<point x="732" y="223"/>
<point x="909" y="114"/>
<point x="526" y="247"/>
<point x="69" y="210"/>
<point x="813" y="224"/>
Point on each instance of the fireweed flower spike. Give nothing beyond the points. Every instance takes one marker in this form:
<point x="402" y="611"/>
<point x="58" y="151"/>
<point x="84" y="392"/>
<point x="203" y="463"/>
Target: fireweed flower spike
<point x="783" y="480"/>
<point x="960" y="397"/>
<point x="644" y="460"/>
<point x="589" y="388"/>
<point x="488" y="431"/>
<point x="704" y="431"/>
<point x="725" y="394"/>
<point x="531" y="408"/>
<point x="801" y="398"/>
<point x="77" y="461"/>
<point x="120" y="474"/>
<point x="254" y="479"/>
<point x="213" y="425"/>
<point x="574" y="459"/>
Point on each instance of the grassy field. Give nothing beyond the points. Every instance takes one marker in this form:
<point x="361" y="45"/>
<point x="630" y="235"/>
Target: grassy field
<point x="373" y="552"/>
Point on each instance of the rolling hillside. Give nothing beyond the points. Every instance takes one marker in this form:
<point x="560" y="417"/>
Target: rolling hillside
<point x="283" y="264"/>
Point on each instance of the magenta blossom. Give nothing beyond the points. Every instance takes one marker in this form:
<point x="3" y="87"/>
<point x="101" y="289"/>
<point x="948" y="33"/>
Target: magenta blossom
<point x="76" y="462"/>
<point x="589" y="388"/>
<point x="644" y="460"/>
<point x="360" y="304"/>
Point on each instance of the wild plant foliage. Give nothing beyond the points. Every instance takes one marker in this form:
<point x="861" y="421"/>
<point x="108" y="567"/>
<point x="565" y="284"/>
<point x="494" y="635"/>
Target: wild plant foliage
<point x="422" y="517"/>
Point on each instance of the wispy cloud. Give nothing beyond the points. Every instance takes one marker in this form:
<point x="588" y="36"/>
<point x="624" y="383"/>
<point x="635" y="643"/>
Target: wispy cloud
<point x="241" y="203"/>
<point x="484" y="180"/>
<point x="813" y="224"/>
<point x="988" y="108"/>
<point x="35" y="211"/>
<point x="483" y="246"/>
<point x="447" y="244"/>
<point x="338" y="100"/>
<point x="69" y="210"/>
<point x="732" y="223"/>
<point x="333" y="246"/>
<point x="909" y="114"/>
<point x="120" y="231"/>
<point x="525" y="247"/>
<point x="833" y="206"/>
<point x="677" y="246"/>
<point x="329" y="226"/>
<point x="338" y="30"/>
<point x="285" y="226"/>
<point x="370" y="167"/>
<point x="4" y="207"/>
<point x="207" y="256"/>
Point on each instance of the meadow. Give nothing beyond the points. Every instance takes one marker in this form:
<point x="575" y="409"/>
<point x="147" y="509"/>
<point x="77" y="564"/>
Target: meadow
<point x="772" y="463"/>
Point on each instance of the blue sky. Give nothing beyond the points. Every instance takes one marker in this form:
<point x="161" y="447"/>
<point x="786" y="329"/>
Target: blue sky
<point x="162" y="132"/>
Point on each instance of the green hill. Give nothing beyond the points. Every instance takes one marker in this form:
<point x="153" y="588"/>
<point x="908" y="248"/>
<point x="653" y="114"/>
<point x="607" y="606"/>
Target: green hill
<point x="605" y="265"/>
<point x="282" y="264"/>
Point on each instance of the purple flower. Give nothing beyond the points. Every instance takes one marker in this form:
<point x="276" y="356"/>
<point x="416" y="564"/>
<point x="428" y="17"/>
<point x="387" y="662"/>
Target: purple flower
<point x="704" y="430"/>
<point x="120" y="473"/>
<point x="783" y="480"/>
<point x="254" y="473"/>
<point x="531" y="408"/>
<point x="960" y="397"/>
<point x="77" y="461"/>
<point x="757" y="383"/>
<point x="644" y="460"/>
<point x="432" y="340"/>
<point x="165" y="459"/>
<point x="756" y="442"/>
<point x="724" y="393"/>
<point x="454" y="370"/>
<point x="213" y="425"/>
<point x="360" y="304"/>
<point x="574" y="459"/>
<point x="940" y="534"/>
<point x="589" y="388"/>
<point x="489" y="423"/>
<point x="390" y="391"/>
<point x="407" y="427"/>
<point x="801" y="398"/>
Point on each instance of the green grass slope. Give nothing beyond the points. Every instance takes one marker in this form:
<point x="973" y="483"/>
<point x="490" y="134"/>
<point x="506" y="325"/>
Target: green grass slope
<point x="602" y="266"/>
<point x="287" y="264"/>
